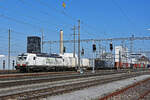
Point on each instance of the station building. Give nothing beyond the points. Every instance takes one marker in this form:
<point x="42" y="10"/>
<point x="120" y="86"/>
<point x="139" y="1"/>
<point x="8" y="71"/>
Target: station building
<point x="4" y="62"/>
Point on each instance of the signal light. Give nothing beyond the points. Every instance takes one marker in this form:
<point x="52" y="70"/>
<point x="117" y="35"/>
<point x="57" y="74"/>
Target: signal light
<point x="111" y="46"/>
<point x="82" y="52"/>
<point x="94" y="47"/>
<point x="13" y="63"/>
<point x="64" y="49"/>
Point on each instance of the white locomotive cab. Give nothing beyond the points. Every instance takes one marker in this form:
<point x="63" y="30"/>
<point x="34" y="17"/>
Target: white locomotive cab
<point x="21" y="60"/>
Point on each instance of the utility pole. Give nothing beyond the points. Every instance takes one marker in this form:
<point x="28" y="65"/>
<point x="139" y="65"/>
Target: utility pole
<point x="49" y="48"/>
<point x="42" y="40"/>
<point x="79" y="44"/>
<point x="74" y="45"/>
<point x="8" y="49"/>
<point x="93" y="68"/>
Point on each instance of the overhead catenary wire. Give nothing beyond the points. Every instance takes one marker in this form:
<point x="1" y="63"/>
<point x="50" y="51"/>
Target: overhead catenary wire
<point x="22" y="22"/>
<point x="18" y="21"/>
<point x="28" y="16"/>
<point x="61" y="12"/>
<point x="58" y="11"/>
<point x="66" y="14"/>
<point x="3" y="34"/>
<point x="123" y="13"/>
<point x="42" y="12"/>
<point x="15" y="46"/>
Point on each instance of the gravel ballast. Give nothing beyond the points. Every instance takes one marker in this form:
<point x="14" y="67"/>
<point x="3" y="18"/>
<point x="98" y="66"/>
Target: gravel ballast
<point x="97" y="91"/>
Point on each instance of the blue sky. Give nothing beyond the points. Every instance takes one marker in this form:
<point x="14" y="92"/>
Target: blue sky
<point x="100" y="19"/>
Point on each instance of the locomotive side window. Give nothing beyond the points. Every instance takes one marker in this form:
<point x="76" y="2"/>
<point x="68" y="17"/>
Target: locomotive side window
<point x="34" y="58"/>
<point x="25" y="57"/>
<point x="19" y="58"/>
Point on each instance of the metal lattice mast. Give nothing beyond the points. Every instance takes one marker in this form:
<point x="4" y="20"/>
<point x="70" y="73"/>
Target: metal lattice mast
<point x="9" y="49"/>
<point x="79" y="44"/>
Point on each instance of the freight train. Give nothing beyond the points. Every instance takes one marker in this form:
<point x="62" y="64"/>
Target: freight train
<point x="27" y="62"/>
<point x="31" y="62"/>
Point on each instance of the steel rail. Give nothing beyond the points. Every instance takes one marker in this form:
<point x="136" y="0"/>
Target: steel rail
<point x="143" y="95"/>
<point x="66" y="88"/>
<point x="33" y="74"/>
<point x="41" y="79"/>
<point x="125" y="89"/>
<point x="11" y="83"/>
<point x="21" y="75"/>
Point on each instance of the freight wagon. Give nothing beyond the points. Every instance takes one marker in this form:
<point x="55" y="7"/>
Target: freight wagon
<point x="103" y="64"/>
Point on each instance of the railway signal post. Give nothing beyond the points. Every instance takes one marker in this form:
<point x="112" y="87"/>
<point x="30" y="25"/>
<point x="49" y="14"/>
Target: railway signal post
<point x="94" y="50"/>
<point x="79" y="45"/>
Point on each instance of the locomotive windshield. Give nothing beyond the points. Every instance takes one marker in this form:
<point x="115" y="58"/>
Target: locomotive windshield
<point x="22" y="57"/>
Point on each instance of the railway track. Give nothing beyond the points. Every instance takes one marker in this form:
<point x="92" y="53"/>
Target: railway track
<point x="41" y="79"/>
<point x="22" y="75"/>
<point x="8" y="71"/>
<point x="47" y="77"/>
<point x="41" y="90"/>
<point x="137" y="91"/>
<point x="14" y="74"/>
